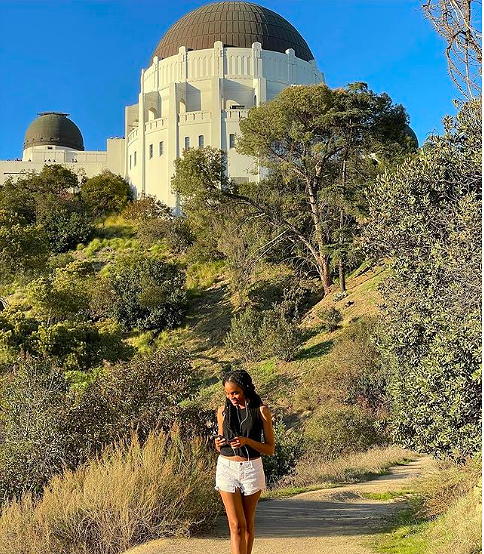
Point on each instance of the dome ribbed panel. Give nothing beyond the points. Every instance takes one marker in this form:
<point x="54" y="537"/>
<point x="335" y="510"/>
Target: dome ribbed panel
<point x="236" y="24"/>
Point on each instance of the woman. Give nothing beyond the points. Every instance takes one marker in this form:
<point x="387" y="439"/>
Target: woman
<point x="240" y="475"/>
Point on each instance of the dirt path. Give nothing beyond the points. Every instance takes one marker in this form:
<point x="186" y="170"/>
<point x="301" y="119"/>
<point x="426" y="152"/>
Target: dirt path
<point x="328" y="521"/>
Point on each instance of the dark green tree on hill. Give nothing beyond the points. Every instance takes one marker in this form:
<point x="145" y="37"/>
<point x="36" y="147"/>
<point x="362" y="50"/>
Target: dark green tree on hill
<point x="316" y="145"/>
<point x="105" y="194"/>
<point x="425" y="217"/>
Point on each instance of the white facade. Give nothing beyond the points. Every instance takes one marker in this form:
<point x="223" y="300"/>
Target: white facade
<point x="197" y="98"/>
<point x="191" y="99"/>
<point x="82" y="162"/>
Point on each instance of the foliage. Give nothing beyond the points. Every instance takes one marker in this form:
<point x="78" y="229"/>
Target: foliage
<point x="335" y="430"/>
<point x="145" y="208"/>
<point x="46" y="424"/>
<point x="255" y="335"/>
<point x="143" y="393"/>
<point x="74" y="345"/>
<point x="312" y="469"/>
<point x="130" y="494"/>
<point x="64" y="220"/>
<point x="289" y="448"/>
<point x="24" y="250"/>
<point x="329" y="318"/>
<point x="34" y="445"/>
<point x="105" y="194"/>
<point x="304" y="136"/>
<point x="147" y="294"/>
<point x="426" y="219"/>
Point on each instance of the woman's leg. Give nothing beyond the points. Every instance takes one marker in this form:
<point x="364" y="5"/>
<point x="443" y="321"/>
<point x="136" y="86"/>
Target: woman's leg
<point x="236" y="518"/>
<point x="249" y="503"/>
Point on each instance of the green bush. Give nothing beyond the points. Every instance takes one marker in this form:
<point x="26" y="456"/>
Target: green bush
<point x="329" y="318"/>
<point x="147" y="294"/>
<point x="256" y="335"/>
<point x="335" y="430"/>
<point x="289" y="448"/>
<point x="426" y="220"/>
<point x="46" y="424"/>
<point x="34" y="443"/>
<point x="105" y="194"/>
<point x="65" y="221"/>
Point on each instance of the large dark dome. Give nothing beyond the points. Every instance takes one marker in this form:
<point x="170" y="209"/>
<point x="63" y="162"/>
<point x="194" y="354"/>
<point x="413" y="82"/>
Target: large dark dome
<point x="236" y="24"/>
<point x="53" y="128"/>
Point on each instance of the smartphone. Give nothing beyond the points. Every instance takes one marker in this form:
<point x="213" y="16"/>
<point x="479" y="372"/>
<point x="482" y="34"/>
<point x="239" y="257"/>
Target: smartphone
<point x="216" y="436"/>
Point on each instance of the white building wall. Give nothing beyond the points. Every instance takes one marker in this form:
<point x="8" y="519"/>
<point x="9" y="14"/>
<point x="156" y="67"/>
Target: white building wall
<point x="203" y="92"/>
<point x="84" y="163"/>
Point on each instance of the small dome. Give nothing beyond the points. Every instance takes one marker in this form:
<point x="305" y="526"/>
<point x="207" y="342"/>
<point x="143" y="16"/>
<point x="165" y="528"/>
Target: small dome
<point x="237" y="24"/>
<point x="53" y="128"/>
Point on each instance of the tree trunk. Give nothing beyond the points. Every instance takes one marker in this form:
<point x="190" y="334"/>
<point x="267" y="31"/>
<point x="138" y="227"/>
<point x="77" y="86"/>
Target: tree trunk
<point x="322" y="259"/>
<point x="342" y="276"/>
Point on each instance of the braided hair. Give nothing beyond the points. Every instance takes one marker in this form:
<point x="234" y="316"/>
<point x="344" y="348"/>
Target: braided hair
<point x="241" y="378"/>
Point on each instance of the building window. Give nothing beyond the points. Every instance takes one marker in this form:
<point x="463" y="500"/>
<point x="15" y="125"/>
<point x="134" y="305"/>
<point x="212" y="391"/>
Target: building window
<point x="201" y="141"/>
<point x="160" y="148"/>
<point x="150" y="150"/>
<point x="49" y="147"/>
<point x="187" y="143"/>
<point x="231" y="140"/>
<point x="134" y="159"/>
<point x="130" y="161"/>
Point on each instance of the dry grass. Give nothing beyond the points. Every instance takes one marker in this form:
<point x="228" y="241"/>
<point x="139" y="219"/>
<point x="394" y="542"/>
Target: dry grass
<point x="130" y="494"/>
<point x="448" y="482"/>
<point x="459" y="530"/>
<point x="350" y="468"/>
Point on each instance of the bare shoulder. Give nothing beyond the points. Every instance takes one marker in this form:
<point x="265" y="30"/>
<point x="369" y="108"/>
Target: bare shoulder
<point x="265" y="411"/>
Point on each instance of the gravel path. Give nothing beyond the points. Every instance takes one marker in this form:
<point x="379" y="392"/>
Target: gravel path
<point x="328" y="521"/>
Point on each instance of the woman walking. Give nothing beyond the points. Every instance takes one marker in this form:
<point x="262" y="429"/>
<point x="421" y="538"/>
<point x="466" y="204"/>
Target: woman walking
<point x="240" y="475"/>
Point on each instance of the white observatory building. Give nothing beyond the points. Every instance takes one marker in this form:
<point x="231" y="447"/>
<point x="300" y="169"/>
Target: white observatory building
<point x="206" y="72"/>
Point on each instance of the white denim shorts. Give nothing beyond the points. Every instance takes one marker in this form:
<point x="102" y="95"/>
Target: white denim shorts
<point x="247" y="476"/>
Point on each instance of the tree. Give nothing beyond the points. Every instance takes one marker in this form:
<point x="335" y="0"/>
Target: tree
<point x="105" y="194"/>
<point x="425" y="217"/>
<point x="300" y="137"/>
<point x="457" y="22"/>
<point x="64" y="220"/>
<point x="24" y="249"/>
<point x="147" y="294"/>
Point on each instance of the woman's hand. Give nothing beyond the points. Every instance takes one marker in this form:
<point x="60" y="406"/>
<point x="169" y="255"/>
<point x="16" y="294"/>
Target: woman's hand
<point x="237" y="442"/>
<point x="219" y="443"/>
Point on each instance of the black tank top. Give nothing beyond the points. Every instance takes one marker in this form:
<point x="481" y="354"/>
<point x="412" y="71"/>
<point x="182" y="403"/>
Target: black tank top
<point x="244" y="426"/>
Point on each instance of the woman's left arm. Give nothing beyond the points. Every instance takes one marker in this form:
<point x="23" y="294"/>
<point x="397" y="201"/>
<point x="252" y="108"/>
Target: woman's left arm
<point x="268" y="446"/>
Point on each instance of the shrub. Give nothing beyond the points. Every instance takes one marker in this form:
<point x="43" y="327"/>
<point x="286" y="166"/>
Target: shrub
<point x="329" y="318"/>
<point x="425" y="218"/>
<point x="74" y="345"/>
<point x="130" y="494"/>
<point x="105" y="193"/>
<point x="335" y="430"/>
<point x="34" y="446"/>
<point x="144" y="393"/>
<point x="65" y="222"/>
<point x="256" y="335"/>
<point x="289" y="448"/>
<point x="312" y="469"/>
<point x="46" y="424"/>
<point x="147" y="294"/>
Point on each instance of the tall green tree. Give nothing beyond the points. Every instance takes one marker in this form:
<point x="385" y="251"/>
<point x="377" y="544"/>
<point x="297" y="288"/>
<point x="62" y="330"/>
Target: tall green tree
<point x="425" y="218"/>
<point x="105" y="194"/>
<point x="302" y="138"/>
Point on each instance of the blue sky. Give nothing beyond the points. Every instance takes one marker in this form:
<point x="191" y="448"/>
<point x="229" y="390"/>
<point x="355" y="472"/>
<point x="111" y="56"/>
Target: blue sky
<point x="84" y="57"/>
